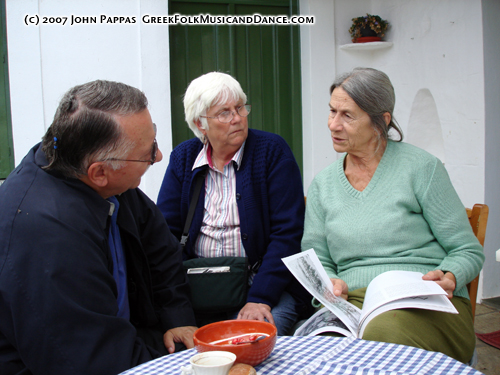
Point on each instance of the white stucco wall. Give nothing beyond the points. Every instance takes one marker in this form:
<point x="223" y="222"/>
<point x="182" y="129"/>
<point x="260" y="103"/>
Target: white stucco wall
<point x="318" y="72"/>
<point x="491" y="29"/>
<point x="46" y="60"/>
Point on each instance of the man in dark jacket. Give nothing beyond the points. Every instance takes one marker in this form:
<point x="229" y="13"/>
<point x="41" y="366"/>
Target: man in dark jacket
<point x="91" y="279"/>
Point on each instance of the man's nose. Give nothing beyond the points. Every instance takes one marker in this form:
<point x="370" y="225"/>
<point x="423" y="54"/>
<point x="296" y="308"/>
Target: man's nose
<point x="159" y="156"/>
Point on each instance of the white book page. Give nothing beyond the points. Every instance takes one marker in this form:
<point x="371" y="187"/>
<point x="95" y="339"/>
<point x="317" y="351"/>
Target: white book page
<point x="395" y="285"/>
<point x="307" y="268"/>
<point x="322" y="321"/>
<point x="432" y="302"/>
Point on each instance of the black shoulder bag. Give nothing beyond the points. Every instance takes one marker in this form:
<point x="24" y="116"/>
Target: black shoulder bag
<point x="217" y="284"/>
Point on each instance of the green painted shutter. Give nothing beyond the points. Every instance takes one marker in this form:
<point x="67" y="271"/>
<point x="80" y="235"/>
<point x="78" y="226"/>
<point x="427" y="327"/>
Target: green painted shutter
<point x="6" y="147"/>
<point x="264" y="59"/>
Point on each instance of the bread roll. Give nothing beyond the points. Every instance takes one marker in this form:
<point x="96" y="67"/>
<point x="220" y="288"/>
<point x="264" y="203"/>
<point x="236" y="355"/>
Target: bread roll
<point x="242" y="369"/>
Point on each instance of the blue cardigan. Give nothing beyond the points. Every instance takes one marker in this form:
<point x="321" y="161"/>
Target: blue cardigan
<point x="270" y="200"/>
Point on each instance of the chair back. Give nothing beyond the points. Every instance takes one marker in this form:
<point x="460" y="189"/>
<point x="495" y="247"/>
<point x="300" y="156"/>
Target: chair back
<point x="478" y="219"/>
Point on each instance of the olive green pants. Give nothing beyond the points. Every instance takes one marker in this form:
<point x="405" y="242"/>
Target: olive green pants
<point x="451" y="334"/>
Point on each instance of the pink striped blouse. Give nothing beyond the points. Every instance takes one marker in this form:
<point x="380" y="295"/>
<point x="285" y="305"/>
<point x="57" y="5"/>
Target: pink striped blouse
<point x="220" y="230"/>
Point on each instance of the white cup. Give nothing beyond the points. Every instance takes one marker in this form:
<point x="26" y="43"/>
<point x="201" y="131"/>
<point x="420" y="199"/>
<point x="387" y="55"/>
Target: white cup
<point x="210" y="363"/>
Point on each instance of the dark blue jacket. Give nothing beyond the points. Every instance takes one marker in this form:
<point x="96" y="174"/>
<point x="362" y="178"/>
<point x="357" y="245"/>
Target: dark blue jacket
<point x="57" y="293"/>
<point x="270" y="200"/>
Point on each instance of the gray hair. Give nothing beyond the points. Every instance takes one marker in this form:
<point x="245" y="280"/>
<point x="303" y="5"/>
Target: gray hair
<point x="373" y="92"/>
<point x="85" y="130"/>
<point x="206" y="91"/>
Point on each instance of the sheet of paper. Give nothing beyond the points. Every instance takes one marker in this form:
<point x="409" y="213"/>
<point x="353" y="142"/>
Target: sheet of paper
<point x="307" y="268"/>
<point x="322" y="321"/>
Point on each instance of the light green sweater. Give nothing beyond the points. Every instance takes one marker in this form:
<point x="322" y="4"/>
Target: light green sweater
<point x="409" y="217"/>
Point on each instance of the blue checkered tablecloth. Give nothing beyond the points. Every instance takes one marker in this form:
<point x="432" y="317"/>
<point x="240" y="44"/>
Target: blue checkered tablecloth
<point x="323" y="355"/>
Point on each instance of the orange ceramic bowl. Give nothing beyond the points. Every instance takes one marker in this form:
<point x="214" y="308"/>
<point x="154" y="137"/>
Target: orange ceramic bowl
<point x="251" y="354"/>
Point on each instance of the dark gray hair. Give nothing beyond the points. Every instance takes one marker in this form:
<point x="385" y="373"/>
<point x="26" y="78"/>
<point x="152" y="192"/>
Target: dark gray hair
<point x="85" y="130"/>
<point x="373" y="92"/>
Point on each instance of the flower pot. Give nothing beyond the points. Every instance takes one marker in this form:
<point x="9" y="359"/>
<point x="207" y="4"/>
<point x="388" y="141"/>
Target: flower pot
<point x="368" y="35"/>
<point x="367" y="39"/>
<point x="367" y="28"/>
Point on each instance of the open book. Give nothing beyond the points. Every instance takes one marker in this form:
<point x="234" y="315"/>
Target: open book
<point x="388" y="291"/>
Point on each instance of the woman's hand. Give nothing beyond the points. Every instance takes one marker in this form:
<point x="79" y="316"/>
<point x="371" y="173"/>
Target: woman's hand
<point x="447" y="280"/>
<point x="340" y="288"/>
<point x="256" y="311"/>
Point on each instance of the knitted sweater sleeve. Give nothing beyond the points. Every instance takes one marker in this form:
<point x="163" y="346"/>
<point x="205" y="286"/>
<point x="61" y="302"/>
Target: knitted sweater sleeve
<point x="275" y="225"/>
<point x="445" y="213"/>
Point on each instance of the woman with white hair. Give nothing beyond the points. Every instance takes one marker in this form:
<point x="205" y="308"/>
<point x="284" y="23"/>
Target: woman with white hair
<point x="252" y="203"/>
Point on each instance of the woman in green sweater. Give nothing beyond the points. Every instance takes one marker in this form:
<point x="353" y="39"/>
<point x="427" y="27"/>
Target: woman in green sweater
<point x="387" y="205"/>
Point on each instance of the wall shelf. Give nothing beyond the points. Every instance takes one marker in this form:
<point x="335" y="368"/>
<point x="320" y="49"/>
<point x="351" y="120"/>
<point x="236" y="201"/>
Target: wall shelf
<point x="366" y="46"/>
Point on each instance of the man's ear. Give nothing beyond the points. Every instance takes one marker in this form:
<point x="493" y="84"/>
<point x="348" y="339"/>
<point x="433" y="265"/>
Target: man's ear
<point x="98" y="174"/>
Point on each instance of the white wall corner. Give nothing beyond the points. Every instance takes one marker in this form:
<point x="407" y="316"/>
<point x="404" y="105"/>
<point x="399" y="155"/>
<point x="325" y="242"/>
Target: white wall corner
<point x="318" y="73"/>
<point x="155" y="82"/>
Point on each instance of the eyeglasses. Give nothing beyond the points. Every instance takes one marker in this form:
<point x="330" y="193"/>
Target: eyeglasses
<point x="227" y="116"/>
<point x="154" y="151"/>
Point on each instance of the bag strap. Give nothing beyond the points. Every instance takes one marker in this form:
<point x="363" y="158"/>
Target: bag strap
<point x="192" y="206"/>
